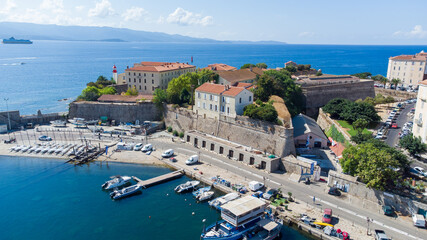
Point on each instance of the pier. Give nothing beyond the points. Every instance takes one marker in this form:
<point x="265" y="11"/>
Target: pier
<point x="160" y="179"/>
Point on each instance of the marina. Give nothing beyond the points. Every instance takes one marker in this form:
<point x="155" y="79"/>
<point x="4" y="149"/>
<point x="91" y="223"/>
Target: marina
<point x="157" y="180"/>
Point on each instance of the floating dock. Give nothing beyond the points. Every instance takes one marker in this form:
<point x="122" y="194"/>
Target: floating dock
<point x="160" y="179"/>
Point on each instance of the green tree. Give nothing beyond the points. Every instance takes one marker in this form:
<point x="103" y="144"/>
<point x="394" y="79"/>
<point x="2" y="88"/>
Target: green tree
<point x="360" y="124"/>
<point x="176" y="86"/>
<point x="362" y="75"/>
<point x="336" y="106"/>
<point x="184" y="96"/>
<point x="90" y="94"/>
<point x="361" y="138"/>
<point x="132" y="91"/>
<point x="374" y="166"/>
<point x="265" y="112"/>
<point x="160" y="97"/>
<point x="395" y="82"/>
<point x="291" y="68"/>
<point x="380" y="78"/>
<point x="107" y="90"/>
<point x="413" y="144"/>
<point x="261" y="65"/>
<point x="206" y="75"/>
<point x="247" y="65"/>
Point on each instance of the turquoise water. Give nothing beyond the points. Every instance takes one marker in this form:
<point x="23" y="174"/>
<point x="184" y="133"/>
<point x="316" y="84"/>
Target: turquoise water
<point x="36" y="76"/>
<point x="47" y="199"/>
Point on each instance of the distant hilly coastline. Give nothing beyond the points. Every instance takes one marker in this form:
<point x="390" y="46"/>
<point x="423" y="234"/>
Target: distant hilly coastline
<point x="105" y="34"/>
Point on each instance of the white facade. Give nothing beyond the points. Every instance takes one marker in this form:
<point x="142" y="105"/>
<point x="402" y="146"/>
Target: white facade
<point x="410" y="69"/>
<point x="420" y="127"/>
<point x="228" y="102"/>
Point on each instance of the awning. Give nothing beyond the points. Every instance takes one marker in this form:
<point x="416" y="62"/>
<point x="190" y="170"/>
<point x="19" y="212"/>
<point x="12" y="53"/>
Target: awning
<point x="267" y="224"/>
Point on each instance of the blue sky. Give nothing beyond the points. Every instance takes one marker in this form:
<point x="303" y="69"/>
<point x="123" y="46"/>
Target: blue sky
<point x="301" y="21"/>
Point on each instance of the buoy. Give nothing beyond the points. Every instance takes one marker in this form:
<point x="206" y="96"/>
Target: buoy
<point x="190" y="204"/>
<point x="167" y="194"/>
<point x="204" y="220"/>
<point x="185" y="199"/>
<point x="193" y="213"/>
<point x="149" y="217"/>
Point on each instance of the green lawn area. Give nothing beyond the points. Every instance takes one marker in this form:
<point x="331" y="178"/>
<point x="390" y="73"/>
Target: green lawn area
<point x="351" y="131"/>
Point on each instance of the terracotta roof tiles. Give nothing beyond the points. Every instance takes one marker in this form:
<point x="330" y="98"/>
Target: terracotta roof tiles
<point x="220" y="89"/>
<point x="158" y="66"/>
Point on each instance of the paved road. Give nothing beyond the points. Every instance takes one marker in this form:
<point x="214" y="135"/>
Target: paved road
<point x="393" y="134"/>
<point x="357" y="214"/>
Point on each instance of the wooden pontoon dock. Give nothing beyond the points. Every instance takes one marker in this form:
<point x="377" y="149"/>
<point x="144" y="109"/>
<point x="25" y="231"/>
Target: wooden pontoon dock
<point x="159" y="179"/>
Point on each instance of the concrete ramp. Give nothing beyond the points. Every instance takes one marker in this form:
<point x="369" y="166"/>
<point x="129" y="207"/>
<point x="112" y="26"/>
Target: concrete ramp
<point x="295" y="177"/>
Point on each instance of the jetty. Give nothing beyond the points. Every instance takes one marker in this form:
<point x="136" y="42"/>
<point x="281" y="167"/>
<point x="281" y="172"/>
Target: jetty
<point x="160" y="179"/>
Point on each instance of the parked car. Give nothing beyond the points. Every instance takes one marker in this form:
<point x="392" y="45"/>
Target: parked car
<point x="394" y="125"/>
<point x="420" y="171"/>
<point x="327" y="215"/>
<point x="138" y="147"/>
<point x="255" y="186"/>
<point x="147" y="147"/>
<point x="168" y="153"/>
<point x="192" y="160"/>
<point x="388" y="210"/>
<point x="419" y="220"/>
<point x="334" y="191"/>
<point x="379" y="135"/>
<point x="380" y="235"/>
<point x="45" y="138"/>
<point x="272" y="193"/>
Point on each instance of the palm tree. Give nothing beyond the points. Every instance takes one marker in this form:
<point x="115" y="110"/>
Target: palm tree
<point x="383" y="81"/>
<point x="394" y="82"/>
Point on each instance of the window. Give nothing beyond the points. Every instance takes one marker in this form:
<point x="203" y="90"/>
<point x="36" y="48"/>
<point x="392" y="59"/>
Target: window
<point x="204" y="105"/>
<point x="210" y="106"/>
<point x="145" y="87"/>
<point x="145" y="74"/>
<point x="139" y="87"/>
<point x="139" y="80"/>
<point x="205" y="96"/>
<point x="421" y="69"/>
<point x="222" y="108"/>
<point x="145" y="80"/>
<point x="152" y="88"/>
<point x="250" y="98"/>
<point x="134" y="80"/>
<point x="216" y="108"/>
<point x="210" y="97"/>
<point x="228" y="110"/>
<point x="198" y="104"/>
<point x="399" y="69"/>
<point x="139" y="74"/>
<point x="413" y="63"/>
<point x="223" y="99"/>
<point x="198" y="95"/>
<point x="134" y="74"/>
<point x="240" y="100"/>
<point x="394" y="68"/>
<point x="228" y="100"/>
<point x="216" y="98"/>
<point x="152" y="81"/>
<point x="152" y="75"/>
<point x="129" y="79"/>
<point x="129" y="74"/>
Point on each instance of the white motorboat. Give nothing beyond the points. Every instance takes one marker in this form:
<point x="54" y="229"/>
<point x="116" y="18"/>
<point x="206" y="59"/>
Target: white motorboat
<point x="32" y="149"/>
<point x="218" y="202"/>
<point x="38" y="149"/>
<point x="59" y="150"/>
<point x="51" y="150"/>
<point x="25" y="149"/>
<point x="205" y="196"/>
<point x="19" y="148"/>
<point x="186" y="186"/>
<point x="116" y="181"/>
<point x="125" y="192"/>
<point x="13" y="148"/>
<point x="44" y="150"/>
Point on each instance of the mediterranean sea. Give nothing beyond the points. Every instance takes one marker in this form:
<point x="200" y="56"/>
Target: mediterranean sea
<point x="35" y="77"/>
<point x="48" y="199"/>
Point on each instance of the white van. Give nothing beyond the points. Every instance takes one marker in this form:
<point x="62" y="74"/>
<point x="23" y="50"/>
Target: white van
<point x="255" y="186"/>
<point x="167" y="153"/>
<point x="419" y="220"/>
<point x="147" y="148"/>
<point x="192" y="160"/>
<point x="137" y="147"/>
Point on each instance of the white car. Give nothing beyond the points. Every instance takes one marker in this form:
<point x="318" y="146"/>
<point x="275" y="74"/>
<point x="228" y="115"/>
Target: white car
<point x="138" y="147"/>
<point x="147" y="147"/>
<point x="420" y="171"/>
<point x="168" y="153"/>
<point x="379" y="136"/>
<point x="192" y="160"/>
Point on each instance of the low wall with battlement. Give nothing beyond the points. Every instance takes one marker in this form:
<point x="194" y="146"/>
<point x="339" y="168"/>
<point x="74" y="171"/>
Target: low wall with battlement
<point x="260" y="135"/>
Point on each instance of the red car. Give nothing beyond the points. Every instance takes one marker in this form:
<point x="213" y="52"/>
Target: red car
<point x="394" y="125"/>
<point x="327" y="215"/>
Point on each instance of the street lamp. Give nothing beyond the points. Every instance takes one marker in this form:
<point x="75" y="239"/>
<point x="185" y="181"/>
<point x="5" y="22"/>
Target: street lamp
<point x="7" y="110"/>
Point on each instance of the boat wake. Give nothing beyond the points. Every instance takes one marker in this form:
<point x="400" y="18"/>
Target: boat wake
<point x="18" y="58"/>
<point x="12" y="64"/>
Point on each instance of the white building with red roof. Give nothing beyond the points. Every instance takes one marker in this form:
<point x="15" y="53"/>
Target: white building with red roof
<point x="147" y="76"/>
<point x="215" y="100"/>
<point x="410" y="69"/>
<point x="419" y="128"/>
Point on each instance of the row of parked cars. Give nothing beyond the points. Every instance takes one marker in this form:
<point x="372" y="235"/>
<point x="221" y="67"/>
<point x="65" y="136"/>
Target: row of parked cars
<point x="406" y="129"/>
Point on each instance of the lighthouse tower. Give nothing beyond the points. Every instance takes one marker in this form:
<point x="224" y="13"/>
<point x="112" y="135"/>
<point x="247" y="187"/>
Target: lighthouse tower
<point x="115" y="73"/>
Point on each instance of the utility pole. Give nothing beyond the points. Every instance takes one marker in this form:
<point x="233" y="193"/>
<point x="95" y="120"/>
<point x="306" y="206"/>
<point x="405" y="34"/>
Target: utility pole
<point x="8" y="116"/>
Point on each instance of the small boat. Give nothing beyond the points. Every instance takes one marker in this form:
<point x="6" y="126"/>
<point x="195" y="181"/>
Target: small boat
<point x="38" y="149"/>
<point x="52" y="150"/>
<point x="13" y="148"/>
<point x="58" y="123"/>
<point x="32" y="149"/>
<point x="25" y="149"/>
<point x="266" y="229"/>
<point x="116" y="181"/>
<point x="218" y="202"/>
<point x="125" y="192"/>
<point x="13" y="40"/>
<point x="188" y="186"/>
<point x="44" y="150"/>
<point x="201" y="190"/>
<point x="205" y="196"/>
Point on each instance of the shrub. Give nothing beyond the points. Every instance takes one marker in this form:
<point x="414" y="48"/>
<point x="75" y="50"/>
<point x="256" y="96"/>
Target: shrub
<point x="175" y="133"/>
<point x="181" y="134"/>
<point x="169" y="129"/>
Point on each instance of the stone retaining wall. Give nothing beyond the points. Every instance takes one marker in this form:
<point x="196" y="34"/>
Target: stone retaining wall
<point x="259" y="135"/>
<point x="396" y="94"/>
<point x="120" y="112"/>
<point x="325" y="123"/>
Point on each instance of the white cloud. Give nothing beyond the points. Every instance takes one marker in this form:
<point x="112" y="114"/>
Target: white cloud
<point x="102" y="9"/>
<point x="183" y="17"/>
<point x="5" y="9"/>
<point x="55" y="6"/>
<point x="307" y="34"/>
<point x="80" y="8"/>
<point x="416" y="32"/>
<point x="134" y="14"/>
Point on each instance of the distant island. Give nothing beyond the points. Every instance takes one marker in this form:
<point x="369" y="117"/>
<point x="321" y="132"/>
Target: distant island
<point x="104" y="34"/>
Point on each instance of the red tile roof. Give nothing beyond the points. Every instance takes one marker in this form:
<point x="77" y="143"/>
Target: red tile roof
<point x="220" y="67"/>
<point x="123" y="98"/>
<point x="220" y="89"/>
<point x="418" y="57"/>
<point x="336" y="147"/>
<point x="158" y="66"/>
<point x="241" y="75"/>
